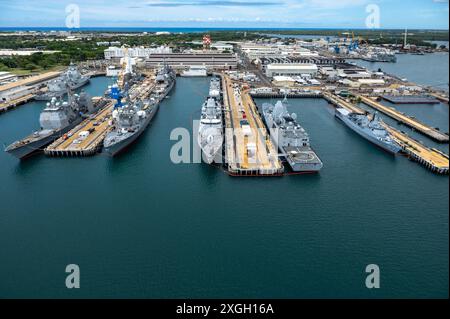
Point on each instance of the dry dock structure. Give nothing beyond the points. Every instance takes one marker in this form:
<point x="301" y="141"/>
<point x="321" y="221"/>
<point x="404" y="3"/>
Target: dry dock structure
<point x="407" y="120"/>
<point x="248" y="148"/>
<point x="86" y="139"/>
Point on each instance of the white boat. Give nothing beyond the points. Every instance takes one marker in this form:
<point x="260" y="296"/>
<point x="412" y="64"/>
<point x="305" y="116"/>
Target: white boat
<point x="195" y="71"/>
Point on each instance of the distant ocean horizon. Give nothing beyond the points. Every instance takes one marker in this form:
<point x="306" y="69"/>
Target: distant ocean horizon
<point x="182" y="29"/>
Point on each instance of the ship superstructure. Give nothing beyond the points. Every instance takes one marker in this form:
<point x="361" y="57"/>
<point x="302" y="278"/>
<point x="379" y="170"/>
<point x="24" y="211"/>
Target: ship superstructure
<point x="210" y="132"/>
<point x="371" y="129"/>
<point x="57" y="118"/>
<point x="292" y="140"/>
<point x="132" y="118"/>
<point x="71" y="79"/>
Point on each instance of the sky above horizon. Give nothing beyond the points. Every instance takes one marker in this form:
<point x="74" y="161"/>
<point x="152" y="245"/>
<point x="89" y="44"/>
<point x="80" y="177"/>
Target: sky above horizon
<point x="423" y="14"/>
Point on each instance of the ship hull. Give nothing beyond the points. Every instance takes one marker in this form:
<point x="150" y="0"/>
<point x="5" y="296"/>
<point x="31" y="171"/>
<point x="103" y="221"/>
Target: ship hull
<point x="312" y="163"/>
<point x="29" y="149"/>
<point x="58" y="94"/>
<point x="210" y="151"/>
<point x="116" y="148"/>
<point x="392" y="149"/>
<point x="311" y="168"/>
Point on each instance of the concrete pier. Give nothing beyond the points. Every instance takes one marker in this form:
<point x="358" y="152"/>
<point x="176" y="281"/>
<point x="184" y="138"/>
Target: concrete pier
<point x="433" y="159"/>
<point x="15" y="103"/>
<point x="87" y="138"/>
<point x="248" y="148"/>
<point x="405" y="119"/>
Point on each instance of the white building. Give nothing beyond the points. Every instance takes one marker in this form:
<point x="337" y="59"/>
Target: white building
<point x="291" y="69"/>
<point x="7" y="77"/>
<point x="222" y="46"/>
<point x="256" y="50"/>
<point x="371" y="82"/>
<point x="136" y="52"/>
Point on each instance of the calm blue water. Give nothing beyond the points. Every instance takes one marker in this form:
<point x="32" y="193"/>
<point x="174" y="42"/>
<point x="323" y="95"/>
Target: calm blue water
<point x="140" y="226"/>
<point x="430" y="69"/>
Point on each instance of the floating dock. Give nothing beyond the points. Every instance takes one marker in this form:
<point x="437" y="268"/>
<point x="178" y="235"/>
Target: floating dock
<point x="407" y="120"/>
<point x="87" y="138"/>
<point x="433" y="159"/>
<point x="411" y="99"/>
<point x="312" y="95"/>
<point x="248" y="148"/>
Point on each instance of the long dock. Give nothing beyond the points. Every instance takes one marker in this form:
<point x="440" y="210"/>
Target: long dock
<point x="339" y="102"/>
<point x="86" y="139"/>
<point x="433" y="159"/>
<point x="312" y="95"/>
<point x="443" y="99"/>
<point x="14" y="103"/>
<point x="30" y="80"/>
<point x="407" y="120"/>
<point x="248" y="147"/>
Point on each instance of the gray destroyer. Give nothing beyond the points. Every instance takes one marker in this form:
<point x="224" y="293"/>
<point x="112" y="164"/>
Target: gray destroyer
<point x="210" y="131"/>
<point x="371" y="129"/>
<point x="57" y="118"/>
<point x="131" y="120"/>
<point x="291" y="139"/>
<point x="71" y="79"/>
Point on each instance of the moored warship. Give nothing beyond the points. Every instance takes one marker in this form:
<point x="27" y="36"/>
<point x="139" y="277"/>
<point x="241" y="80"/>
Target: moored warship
<point x="210" y="132"/>
<point x="291" y="139"/>
<point x="131" y="119"/>
<point x="71" y="79"/>
<point x="57" y="118"/>
<point x="371" y="129"/>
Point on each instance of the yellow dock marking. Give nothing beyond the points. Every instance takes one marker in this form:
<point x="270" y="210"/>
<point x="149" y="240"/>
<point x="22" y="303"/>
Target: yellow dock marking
<point x="102" y="118"/>
<point x="432" y="156"/>
<point x="259" y="133"/>
<point x="406" y="119"/>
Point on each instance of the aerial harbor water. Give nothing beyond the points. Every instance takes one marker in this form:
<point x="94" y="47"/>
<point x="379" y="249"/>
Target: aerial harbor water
<point x="140" y="226"/>
<point x="426" y="70"/>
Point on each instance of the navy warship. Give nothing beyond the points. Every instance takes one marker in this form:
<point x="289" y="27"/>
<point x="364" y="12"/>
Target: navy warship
<point x="371" y="129"/>
<point x="210" y="131"/>
<point x="131" y="120"/>
<point x="57" y="118"/>
<point x="71" y="79"/>
<point x="291" y="139"/>
<point x="215" y="88"/>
